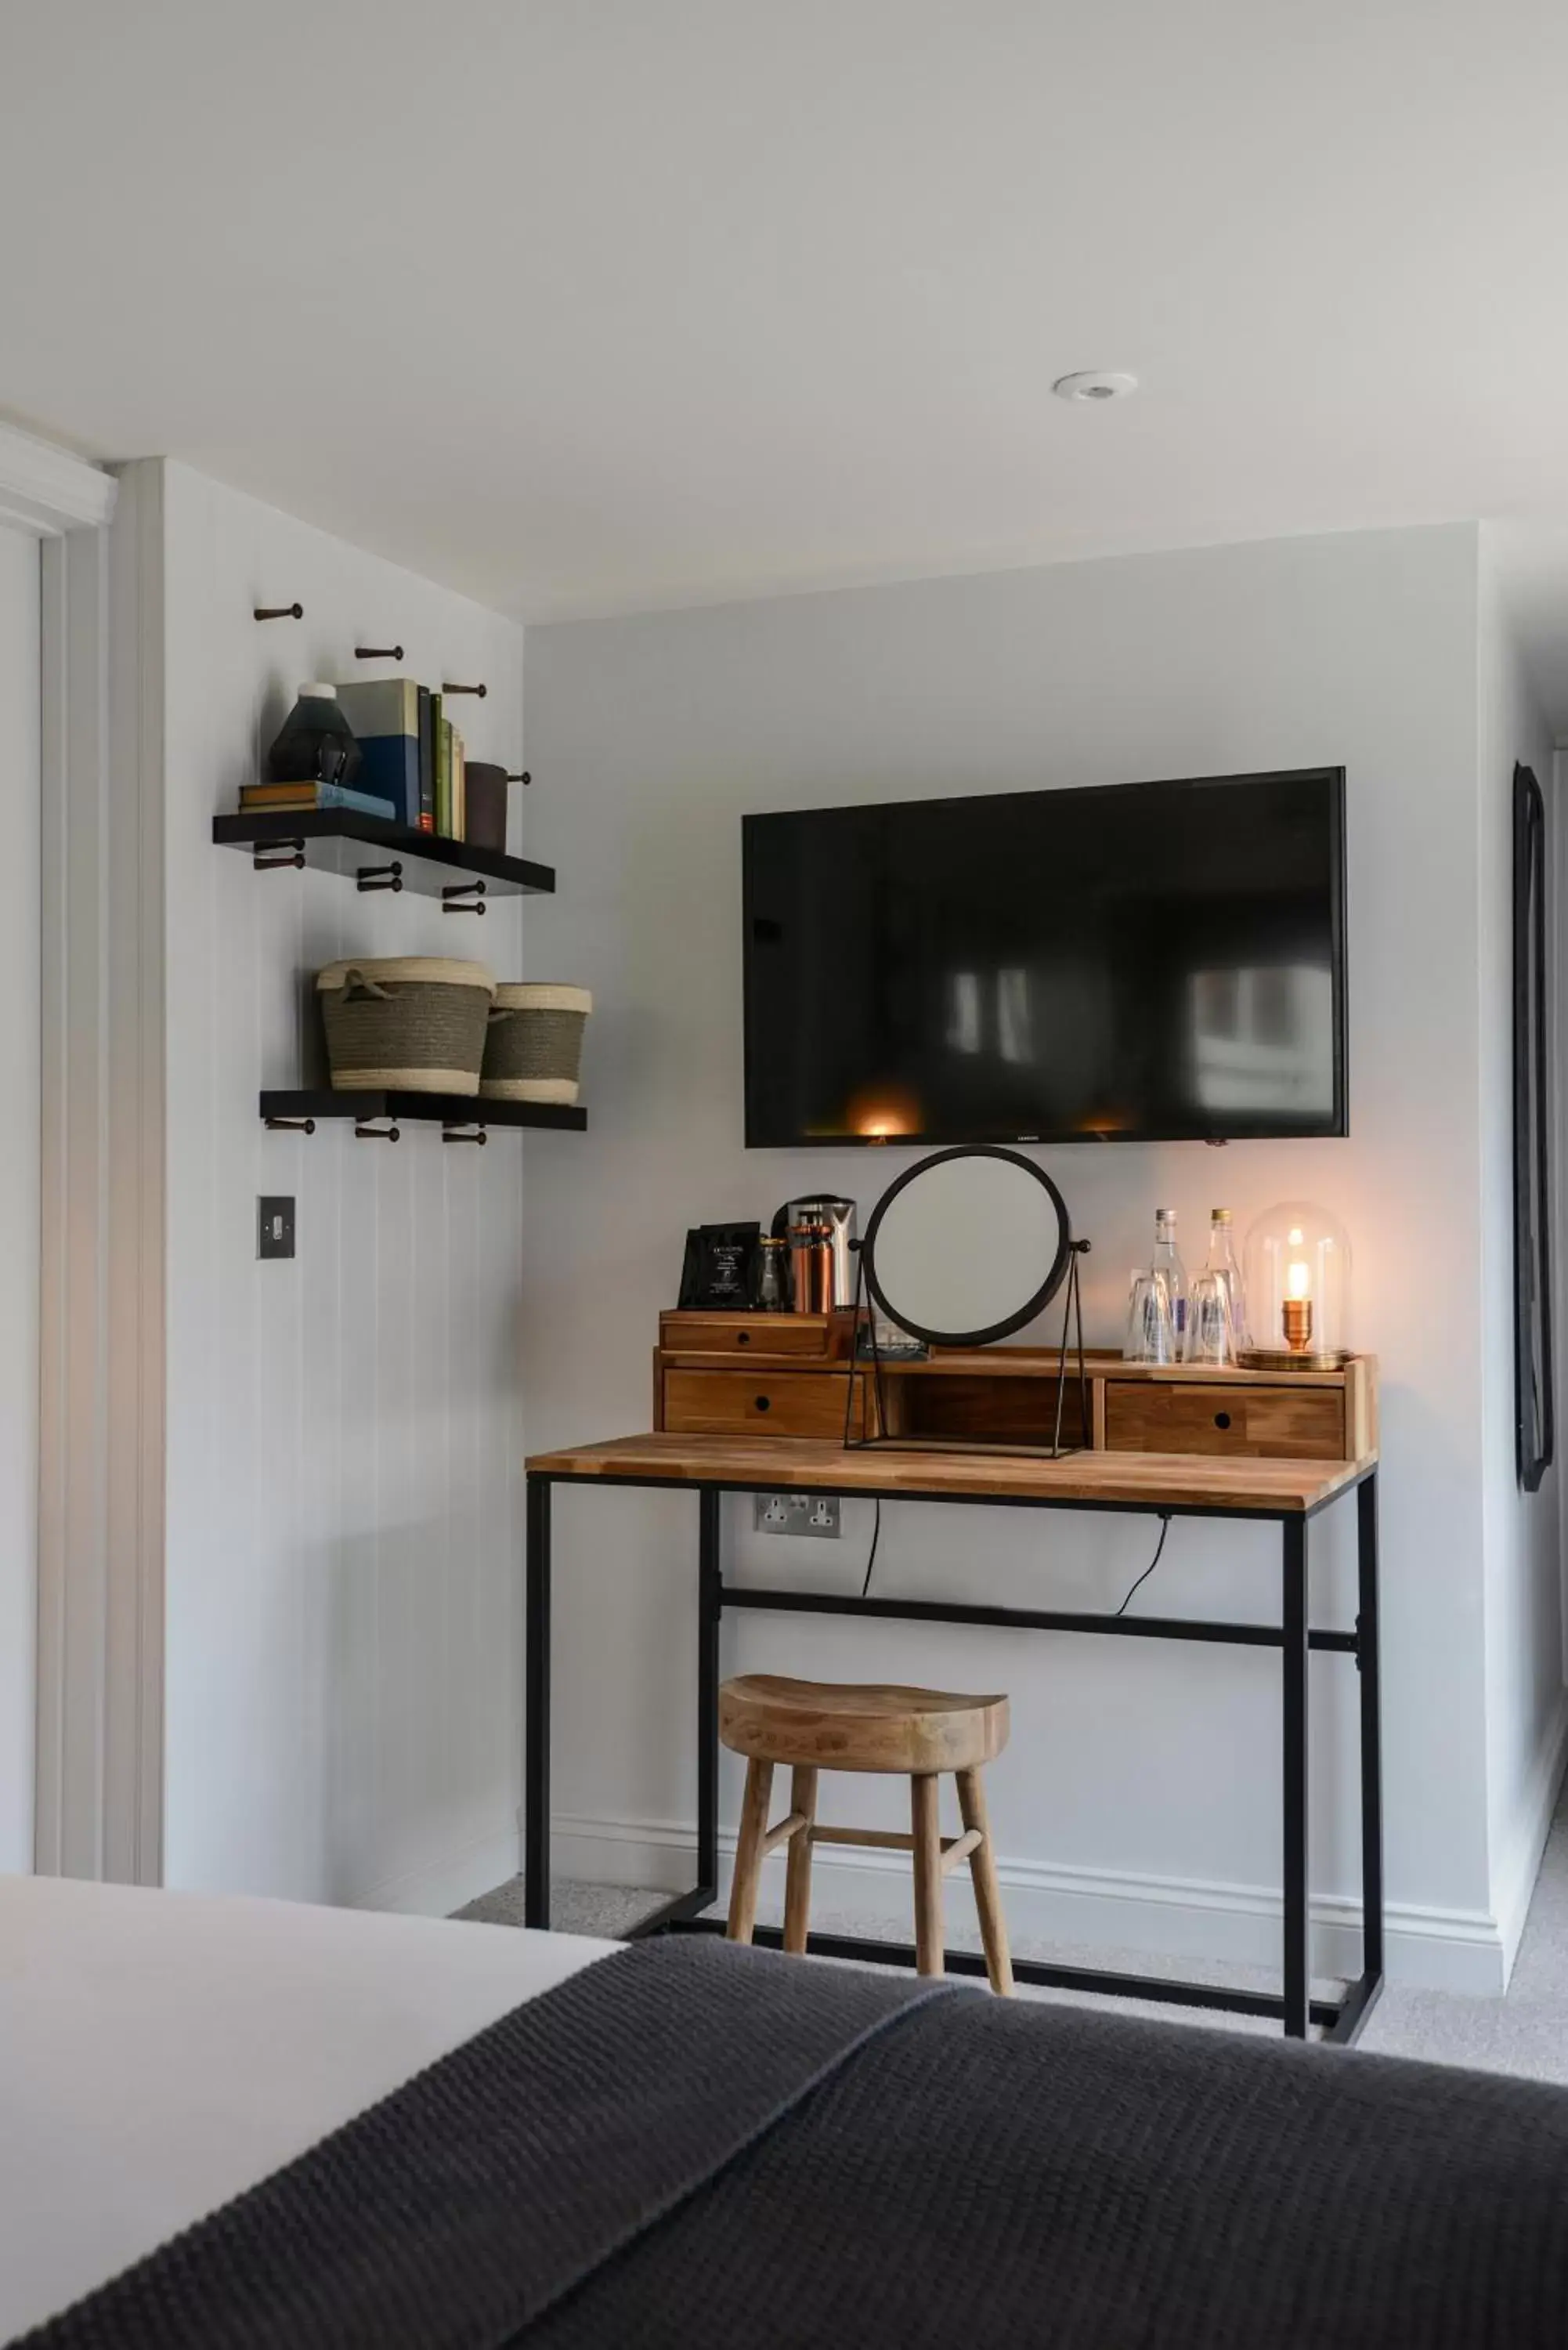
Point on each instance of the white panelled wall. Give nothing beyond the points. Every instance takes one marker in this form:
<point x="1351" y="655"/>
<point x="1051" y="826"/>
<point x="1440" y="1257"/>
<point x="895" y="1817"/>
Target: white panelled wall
<point x="1138" y="1802"/>
<point x="344" y="1431"/>
<point x="19" y="719"/>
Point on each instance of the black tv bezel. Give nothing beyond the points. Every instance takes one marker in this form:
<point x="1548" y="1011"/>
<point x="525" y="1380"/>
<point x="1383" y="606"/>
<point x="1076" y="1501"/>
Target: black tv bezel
<point x="1334" y="1130"/>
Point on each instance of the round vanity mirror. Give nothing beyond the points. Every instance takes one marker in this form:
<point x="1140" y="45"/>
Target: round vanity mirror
<point x="967" y="1246"/>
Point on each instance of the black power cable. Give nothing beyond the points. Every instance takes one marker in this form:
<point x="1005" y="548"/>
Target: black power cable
<point x="871" y="1558"/>
<point x="1142" y="1579"/>
<point x="1149" y="1570"/>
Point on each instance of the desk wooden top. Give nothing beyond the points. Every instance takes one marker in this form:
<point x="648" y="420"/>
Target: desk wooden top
<point x="1138" y="1481"/>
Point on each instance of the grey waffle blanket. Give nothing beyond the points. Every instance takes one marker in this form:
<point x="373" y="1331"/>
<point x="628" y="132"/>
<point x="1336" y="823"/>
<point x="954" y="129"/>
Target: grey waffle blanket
<point x="694" y="2145"/>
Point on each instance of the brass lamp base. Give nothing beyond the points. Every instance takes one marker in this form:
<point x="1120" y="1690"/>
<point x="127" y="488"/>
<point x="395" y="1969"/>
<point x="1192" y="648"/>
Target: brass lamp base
<point x="1291" y="1358"/>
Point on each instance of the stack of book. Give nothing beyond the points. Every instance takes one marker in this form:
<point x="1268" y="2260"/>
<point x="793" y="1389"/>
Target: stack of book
<point x="414" y="762"/>
<point x="414" y="753"/>
<point x="281" y="799"/>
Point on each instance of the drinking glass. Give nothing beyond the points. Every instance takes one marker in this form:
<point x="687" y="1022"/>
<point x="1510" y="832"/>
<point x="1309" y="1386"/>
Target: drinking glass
<point x="1151" y="1328"/>
<point x="1210" y="1330"/>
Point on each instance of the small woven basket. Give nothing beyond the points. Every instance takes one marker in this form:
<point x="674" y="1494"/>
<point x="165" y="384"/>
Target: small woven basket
<point x="405" y="1024"/>
<point x="534" y="1042"/>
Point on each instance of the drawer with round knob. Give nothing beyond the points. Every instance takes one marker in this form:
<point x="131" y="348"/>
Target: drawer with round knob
<point x="1283" y="1423"/>
<point x="767" y="1402"/>
<point x="747" y="1333"/>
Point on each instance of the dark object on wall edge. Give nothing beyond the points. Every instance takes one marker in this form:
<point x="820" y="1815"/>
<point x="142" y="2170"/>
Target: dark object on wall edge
<point x="1535" y="1414"/>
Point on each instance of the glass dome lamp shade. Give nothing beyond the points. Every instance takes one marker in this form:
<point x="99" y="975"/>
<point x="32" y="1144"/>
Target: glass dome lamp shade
<point x="1297" y="1279"/>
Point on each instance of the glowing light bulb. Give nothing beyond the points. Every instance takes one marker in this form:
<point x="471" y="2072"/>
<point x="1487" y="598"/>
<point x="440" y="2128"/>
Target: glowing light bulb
<point x="1298" y="1280"/>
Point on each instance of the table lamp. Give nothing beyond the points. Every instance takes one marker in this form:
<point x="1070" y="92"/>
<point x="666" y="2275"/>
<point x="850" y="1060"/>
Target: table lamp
<point x="1297" y="1270"/>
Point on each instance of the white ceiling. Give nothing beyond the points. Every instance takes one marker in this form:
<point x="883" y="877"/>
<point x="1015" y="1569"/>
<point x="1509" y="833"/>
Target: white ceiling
<point x="589" y="304"/>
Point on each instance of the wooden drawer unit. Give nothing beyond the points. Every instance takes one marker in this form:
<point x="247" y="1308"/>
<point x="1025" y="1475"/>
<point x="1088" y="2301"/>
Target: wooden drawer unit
<point x="768" y="1403"/>
<point x="1281" y="1423"/>
<point x="749" y="1334"/>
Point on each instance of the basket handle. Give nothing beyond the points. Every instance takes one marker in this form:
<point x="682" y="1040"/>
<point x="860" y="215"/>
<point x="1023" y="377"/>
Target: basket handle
<point x="354" y="984"/>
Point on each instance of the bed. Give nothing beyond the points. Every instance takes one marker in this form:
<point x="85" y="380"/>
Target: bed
<point x="388" y="2132"/>
<point x="160" y="2053"/>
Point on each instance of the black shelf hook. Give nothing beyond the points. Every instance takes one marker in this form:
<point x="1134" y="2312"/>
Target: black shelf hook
<point x="524" y="777"/>
<point x="277" y="611"/>
<point x="280" y="856"/>
<point x="379" y="652"/>
<point x="481" y="690"/>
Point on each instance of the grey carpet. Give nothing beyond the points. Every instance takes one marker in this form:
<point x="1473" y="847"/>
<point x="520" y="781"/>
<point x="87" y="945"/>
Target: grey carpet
<point x="1525" y="2034"/>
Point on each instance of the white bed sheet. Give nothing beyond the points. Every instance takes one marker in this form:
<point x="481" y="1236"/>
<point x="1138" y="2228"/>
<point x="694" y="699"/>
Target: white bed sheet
<point x="160" y="2052"/>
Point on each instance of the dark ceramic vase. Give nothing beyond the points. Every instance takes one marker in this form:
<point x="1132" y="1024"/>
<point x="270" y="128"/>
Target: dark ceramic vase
<point x="315" y="743"/>
<point x="486" y="820"/>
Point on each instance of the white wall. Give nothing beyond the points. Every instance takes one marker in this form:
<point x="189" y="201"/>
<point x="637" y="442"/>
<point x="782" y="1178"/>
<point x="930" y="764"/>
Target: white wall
<point x="1527" y="1708"/>
<point x="344" y="1431"/>
<point x="19" y="712"/>
<point x="1138" y="1802"/>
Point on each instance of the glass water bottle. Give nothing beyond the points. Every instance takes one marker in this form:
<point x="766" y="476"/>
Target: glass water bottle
<point x="1173" y="1272"/>
<point x="1222" y="1261"/>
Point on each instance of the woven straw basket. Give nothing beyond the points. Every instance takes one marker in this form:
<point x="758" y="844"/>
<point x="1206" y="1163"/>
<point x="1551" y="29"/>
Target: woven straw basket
<point x="407" y="1024"/>
<point x="534" y="1042"/>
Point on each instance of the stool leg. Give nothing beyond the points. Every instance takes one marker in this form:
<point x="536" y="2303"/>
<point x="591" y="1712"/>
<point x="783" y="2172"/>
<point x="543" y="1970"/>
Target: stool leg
<point x="929" y="1958"/>
<point x="797" y="1873"/>
<point x="982" y="1876"/>
<point x="749" y="1850"/>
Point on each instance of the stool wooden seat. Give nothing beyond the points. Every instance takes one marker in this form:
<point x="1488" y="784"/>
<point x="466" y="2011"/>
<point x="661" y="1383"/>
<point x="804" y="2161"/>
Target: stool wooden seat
<point x="914" y="1733"/>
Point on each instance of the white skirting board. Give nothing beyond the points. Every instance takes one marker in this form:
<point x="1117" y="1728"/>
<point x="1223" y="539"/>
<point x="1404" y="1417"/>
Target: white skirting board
<point x="1438" y="1949"/>
<point x="443" y="1885"/>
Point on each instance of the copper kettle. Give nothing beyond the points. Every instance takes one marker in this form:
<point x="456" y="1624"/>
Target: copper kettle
<point x="834" y="1217"/>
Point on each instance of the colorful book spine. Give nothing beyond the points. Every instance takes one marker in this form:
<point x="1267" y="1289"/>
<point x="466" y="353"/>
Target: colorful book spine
<point x="443" y="776"/>
<point x="459" y="786"/>
<point x="428" y="702"/>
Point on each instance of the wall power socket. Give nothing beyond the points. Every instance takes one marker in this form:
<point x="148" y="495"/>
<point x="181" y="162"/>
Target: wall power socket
<point x="798" y="1514"/>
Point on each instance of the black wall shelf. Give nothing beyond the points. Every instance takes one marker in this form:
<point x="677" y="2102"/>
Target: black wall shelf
<point x="426" y="1110"/>
<point x="334" y="840"/>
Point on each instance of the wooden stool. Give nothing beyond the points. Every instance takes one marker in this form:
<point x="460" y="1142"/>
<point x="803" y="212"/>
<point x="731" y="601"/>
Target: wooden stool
<point x="849" y="1726"/>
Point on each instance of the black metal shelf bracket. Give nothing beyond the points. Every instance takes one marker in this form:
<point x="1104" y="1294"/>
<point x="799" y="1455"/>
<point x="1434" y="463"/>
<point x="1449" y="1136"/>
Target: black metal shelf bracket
<point x="463" y="898"/>
<point x="462" y="1117"/>
<point x="277" y="611"/>
<point x="290" y="859"/>
<point x="346" y="843"/>
<point x="379" y="877"/>
<point x="388" y="1133"/>
<point x="481" y="690"/>
<point x="292" y="1125"/>
<point x="379" y="652"/>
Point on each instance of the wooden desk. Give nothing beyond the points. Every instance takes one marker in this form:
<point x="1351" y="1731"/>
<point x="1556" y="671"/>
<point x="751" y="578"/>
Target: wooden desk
<point x="1288" y="1494"/>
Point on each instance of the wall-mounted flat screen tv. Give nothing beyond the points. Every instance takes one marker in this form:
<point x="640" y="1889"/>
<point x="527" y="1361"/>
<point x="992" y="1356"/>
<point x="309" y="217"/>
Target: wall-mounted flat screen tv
<point x="1143" y="962"/>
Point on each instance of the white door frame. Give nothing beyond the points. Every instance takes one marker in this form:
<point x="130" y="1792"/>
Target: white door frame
<point x="100" y="1430"/>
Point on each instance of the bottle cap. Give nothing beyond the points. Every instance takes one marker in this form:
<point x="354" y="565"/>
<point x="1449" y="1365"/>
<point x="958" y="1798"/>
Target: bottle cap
<point x="1219" y="1215"/>
<point x="1165" y="1215"/>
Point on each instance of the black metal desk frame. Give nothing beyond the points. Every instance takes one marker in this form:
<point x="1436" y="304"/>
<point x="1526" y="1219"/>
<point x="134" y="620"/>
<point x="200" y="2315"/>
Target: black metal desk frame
<point x="1340" y="2020"/>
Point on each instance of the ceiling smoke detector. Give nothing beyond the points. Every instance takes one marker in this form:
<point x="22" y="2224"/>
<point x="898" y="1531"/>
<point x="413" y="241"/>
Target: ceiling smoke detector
<point x="1094" y="383"/>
